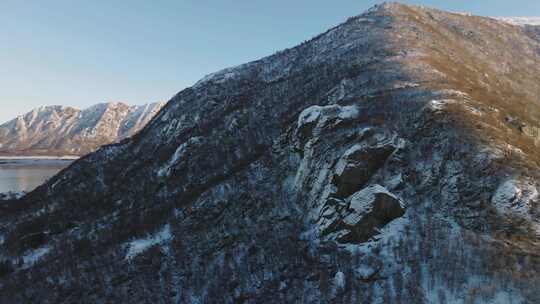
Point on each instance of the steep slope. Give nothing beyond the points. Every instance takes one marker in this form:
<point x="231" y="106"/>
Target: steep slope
<point x="391" y="159"/>
<point x="57" y="130"/>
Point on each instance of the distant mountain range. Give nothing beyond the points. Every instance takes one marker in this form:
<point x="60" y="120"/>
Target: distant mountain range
<point x="521" y="20"/>
<point x="59" y="130"/>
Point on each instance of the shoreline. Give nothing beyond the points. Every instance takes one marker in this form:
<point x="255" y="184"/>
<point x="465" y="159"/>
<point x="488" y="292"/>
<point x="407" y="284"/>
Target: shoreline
<point x="66" y="157"/>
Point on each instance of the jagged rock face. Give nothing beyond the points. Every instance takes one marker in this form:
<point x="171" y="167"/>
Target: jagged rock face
<point x="372" y="164"/>
<point x="357" y="165"/>
<point x="57" y="130"/>
<point x="368" y="211"/>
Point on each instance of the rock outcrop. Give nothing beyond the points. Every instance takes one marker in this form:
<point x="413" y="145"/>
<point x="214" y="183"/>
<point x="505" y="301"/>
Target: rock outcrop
<point x="368" y="211"/>
<point x="371" y="164"/>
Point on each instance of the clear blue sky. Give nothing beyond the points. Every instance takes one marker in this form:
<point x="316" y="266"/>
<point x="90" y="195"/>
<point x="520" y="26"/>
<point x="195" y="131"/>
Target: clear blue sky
<point x="75" y="52"/>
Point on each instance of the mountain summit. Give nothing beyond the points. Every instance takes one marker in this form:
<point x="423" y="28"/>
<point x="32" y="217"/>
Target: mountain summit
<point x="57" y="130"/>
<point x="391" y="159"/>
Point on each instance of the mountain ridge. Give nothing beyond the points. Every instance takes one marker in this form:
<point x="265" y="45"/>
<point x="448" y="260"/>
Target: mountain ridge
<point x="63" y="130"/>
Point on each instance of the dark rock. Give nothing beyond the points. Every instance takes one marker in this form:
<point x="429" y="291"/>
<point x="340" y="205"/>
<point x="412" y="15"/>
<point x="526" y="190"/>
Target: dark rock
<point x="370" y="210"/>
<point x="358" y="164"/>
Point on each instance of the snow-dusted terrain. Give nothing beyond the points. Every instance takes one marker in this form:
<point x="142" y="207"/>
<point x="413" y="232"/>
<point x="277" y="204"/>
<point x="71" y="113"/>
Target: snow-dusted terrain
<point x="521" y="20"/>
<point x="58" y="130"/>
<point x="391" y="159"/>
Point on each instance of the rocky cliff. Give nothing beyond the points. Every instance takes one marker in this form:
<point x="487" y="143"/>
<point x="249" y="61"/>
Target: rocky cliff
<point x="57" y="130"/>
<point x="383" y="161"/>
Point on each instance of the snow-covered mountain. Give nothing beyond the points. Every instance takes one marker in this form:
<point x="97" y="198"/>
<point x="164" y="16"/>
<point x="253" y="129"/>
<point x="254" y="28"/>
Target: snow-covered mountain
<point x="521" y="20"/>
<point x="391" y="159"/>
<point x="58" y="130"/>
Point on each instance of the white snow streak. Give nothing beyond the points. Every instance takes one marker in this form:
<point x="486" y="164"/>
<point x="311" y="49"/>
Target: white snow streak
<point x="33" y="256"/>
<point x="138" y="246"/>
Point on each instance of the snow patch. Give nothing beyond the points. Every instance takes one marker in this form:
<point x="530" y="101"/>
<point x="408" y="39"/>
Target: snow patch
<point x="348" y="112"/>
<point x="177" y="156"/>
<point x="309" y="115"/>
<point x="394" y="181"/>
<point x="452" y="92"/>
<point x="221" y="76"/>
<point x="339" y="280"/>
<point x="138" y="246"/>
<point x="506" y="193"/>
<point x="439" y="104"/>
<point x="365" y="271"/>
<point x="11" y="195"/>
<point x="518" y="198"/>
<point x="33" y="256"/>
<point x="314" y="113"/>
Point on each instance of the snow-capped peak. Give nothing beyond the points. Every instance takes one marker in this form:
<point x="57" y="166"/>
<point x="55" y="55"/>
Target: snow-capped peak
<point x="66" y="130"/>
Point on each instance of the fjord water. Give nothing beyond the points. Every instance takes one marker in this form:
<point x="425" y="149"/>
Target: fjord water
<point x="26" y="174"/>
